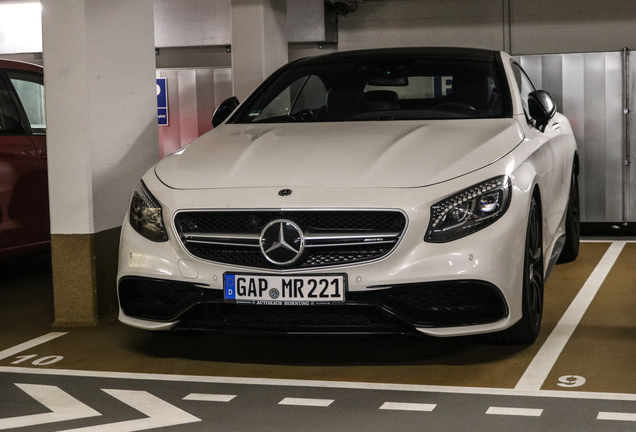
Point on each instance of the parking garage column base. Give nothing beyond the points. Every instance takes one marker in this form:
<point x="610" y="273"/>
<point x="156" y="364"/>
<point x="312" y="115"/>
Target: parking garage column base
<point x="84" y="277"/>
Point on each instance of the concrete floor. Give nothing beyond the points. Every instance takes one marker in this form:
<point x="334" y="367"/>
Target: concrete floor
<point x="601" y="351"/>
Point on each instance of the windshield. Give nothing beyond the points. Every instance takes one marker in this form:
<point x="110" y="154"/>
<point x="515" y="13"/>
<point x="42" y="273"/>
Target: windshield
<point x="379" y="89"/>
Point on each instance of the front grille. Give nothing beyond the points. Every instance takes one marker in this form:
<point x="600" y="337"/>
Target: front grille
<point x="253" y="257"/>
<point x="345" y="255"/>
<point x="331" y="237"/>
<point x="254" y="221"/>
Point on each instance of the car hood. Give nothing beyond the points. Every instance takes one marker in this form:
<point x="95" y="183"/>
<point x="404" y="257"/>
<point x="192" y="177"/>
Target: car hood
<point x="347" y="154"/>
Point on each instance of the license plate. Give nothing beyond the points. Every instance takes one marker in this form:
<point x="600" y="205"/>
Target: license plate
<point x="284" y="290"/>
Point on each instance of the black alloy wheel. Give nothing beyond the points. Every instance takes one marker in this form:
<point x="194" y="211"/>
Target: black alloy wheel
<point x="527" y="329"/>
<point x="572" y="224"/>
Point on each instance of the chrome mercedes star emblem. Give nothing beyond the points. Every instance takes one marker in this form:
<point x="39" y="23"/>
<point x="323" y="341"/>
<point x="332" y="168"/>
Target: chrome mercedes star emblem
<point x="282" y="242"/>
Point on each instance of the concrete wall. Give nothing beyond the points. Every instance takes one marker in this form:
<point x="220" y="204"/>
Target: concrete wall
<point x="570" y="26"/>
<point x="516" y="26"/>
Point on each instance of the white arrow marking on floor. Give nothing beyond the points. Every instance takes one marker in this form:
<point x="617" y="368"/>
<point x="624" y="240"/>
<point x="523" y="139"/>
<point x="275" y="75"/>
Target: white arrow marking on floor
<point x="63" y="406"/>
<point x="160" y="413"/>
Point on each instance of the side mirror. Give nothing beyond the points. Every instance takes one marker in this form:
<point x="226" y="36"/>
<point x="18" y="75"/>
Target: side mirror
<point x="224" y="110"/>
<point x="542" y="108"/>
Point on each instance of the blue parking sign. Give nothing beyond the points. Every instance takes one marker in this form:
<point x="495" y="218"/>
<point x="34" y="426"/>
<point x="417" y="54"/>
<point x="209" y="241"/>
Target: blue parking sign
<point x="162" y="101"/>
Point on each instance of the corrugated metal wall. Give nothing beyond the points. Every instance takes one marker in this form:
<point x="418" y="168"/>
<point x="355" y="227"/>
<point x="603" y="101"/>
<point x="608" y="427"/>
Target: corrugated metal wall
<point x="193" y="95"/>
<point x="589" y="90"/>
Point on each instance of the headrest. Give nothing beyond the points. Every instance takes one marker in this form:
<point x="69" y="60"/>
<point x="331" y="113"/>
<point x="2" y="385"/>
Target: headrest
<point x="344" y="101"/>
<point x="382" y="96"/>
<point x="472" y="89"/>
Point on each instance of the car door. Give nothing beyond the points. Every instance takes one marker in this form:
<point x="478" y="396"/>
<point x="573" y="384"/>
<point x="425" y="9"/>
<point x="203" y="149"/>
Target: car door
<point x="23" y="176"/>
<point x="550" y="160"/>
<point x="29" y="88"/>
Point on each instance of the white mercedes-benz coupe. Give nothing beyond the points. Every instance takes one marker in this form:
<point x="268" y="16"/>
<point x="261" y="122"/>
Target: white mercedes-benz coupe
<point x="405" y="190"/>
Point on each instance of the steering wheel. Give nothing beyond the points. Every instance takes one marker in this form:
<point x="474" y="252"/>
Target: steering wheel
<point x="303" y="115"/>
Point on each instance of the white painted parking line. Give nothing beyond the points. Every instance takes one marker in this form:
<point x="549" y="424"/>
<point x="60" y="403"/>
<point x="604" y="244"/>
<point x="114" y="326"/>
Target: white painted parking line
<point x="604" y="241"/>
<point x="616" y="416"/>
<point x="62" y="405"/>
<point x="10" y="352"/>
<point x="400" y="406"/>
<point x="209" y="397"/>
<point x="538" y="370"/>
<point x="321" y="384"/>
<point x="523" y="412"/>
<point x="306" y="402"/>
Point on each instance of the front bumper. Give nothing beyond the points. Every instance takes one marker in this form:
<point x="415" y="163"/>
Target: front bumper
<point x="399" y="309"/>
<point x="467" y="286"/>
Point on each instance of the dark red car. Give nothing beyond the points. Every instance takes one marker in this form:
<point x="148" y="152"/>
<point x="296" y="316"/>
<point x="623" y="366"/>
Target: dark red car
<point x="24" y="206"/>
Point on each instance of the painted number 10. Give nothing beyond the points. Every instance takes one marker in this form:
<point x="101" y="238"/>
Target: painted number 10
<point x="42" y="361"/>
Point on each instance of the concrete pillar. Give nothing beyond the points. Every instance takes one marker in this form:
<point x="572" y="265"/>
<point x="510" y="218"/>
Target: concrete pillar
<point x="259" y="42"/>
<point x="99" y="76"/>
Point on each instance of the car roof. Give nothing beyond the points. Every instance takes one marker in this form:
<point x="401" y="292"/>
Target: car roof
<point x="397" y="53"/>
<point x="20" y="65"/>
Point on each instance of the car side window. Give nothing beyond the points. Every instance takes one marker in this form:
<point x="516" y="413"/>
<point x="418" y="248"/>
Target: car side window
<point x="310" y="96"/>
<point x="30" y="90"/>
<point x="524" y="85"/>
<point x="306" y="93"/>
<point x="9" y="119"/>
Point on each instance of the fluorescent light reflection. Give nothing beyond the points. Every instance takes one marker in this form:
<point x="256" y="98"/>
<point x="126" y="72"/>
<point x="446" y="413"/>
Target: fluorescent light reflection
<point x="20" y="28"/>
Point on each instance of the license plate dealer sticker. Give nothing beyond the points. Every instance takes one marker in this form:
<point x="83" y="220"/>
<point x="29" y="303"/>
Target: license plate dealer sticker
<point x="284" y="290"/>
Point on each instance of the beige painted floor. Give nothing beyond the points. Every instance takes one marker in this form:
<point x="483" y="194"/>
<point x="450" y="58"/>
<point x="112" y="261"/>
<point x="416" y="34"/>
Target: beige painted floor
<point x="602" y="350"/>
<point x="603" y="347"/>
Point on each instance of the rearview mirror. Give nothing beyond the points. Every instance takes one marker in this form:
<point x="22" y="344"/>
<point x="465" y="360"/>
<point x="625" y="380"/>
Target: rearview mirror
<point x="224" y="110"/>
<point x="388" y="81"/>
<point x="542" y="108"/>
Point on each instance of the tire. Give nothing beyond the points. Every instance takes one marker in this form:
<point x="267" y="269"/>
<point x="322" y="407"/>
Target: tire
<point x="527" y="329"/>
<point x="572" y="224"/>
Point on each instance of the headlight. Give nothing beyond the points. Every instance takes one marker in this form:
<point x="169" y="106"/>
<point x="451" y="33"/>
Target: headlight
<point x="146" y="215"/>
<point x="469" y="211"/>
